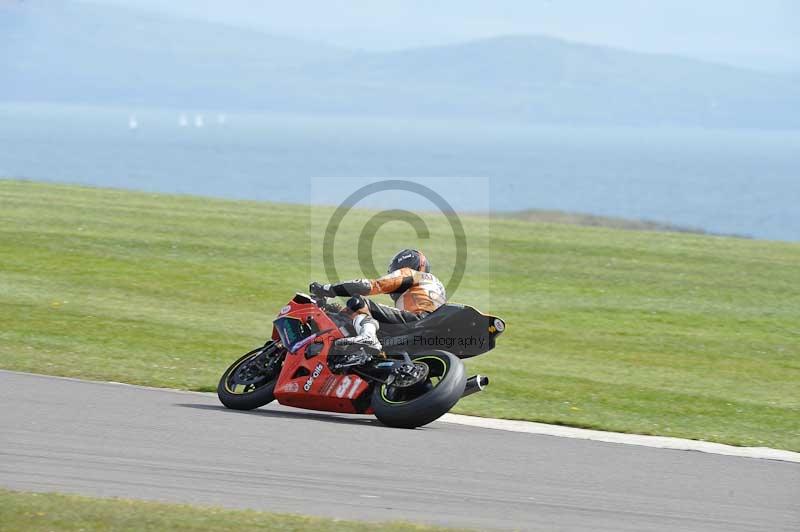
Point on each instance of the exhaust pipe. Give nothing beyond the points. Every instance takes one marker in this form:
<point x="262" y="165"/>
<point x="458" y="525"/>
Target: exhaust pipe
<point x="475" y="384"/>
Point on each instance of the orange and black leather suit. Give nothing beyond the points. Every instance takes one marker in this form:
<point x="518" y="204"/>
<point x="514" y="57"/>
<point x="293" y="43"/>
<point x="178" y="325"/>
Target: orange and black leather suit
<point x="416" y="294"/>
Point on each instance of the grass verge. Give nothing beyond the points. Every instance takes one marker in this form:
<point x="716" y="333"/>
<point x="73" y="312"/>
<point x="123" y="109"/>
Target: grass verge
<point x="49" y="511"/>
<point x="655" y="333"/>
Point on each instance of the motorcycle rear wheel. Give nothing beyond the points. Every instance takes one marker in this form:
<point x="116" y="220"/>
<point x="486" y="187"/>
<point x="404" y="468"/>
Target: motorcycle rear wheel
<point x="421" y="404"/>
<point x="250" y="381"/>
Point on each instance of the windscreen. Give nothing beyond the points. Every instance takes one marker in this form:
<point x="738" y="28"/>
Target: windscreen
<point x="293" y="331"/>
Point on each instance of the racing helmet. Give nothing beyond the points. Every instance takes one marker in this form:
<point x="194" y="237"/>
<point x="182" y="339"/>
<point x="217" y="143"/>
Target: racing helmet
<point x="410" y="258"/>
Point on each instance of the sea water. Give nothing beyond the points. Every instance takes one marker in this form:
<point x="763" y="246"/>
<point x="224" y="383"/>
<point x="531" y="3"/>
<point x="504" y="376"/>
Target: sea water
<point x="744" y="182"/>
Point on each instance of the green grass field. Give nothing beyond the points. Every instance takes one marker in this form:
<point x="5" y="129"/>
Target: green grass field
<point x="655" y="333"/>
<point x="33" y="512"/>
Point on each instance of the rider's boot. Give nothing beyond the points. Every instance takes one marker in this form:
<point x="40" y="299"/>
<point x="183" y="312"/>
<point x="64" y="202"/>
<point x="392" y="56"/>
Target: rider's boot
<point x="366" y="334"/>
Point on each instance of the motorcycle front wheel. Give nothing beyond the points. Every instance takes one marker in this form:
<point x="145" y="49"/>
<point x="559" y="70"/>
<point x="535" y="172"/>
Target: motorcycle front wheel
<point x="250" y="381"/>
<point x="411" y="407"/>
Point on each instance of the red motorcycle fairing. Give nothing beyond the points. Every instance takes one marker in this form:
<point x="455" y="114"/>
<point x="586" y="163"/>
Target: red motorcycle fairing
<point x="305" y="380"/>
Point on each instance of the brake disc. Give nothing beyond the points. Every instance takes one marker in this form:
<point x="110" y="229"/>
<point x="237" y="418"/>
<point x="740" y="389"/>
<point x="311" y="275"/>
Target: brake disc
<point x="406" y="375"/>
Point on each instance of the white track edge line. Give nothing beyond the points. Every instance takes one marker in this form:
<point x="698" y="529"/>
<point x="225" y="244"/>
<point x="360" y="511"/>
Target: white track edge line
<point x="659" y="442"/>
<point x="542" y="429"/>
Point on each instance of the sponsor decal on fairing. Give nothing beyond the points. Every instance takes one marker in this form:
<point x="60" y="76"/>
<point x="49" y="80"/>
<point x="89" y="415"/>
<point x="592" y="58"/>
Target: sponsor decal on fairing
<point x="314" y="374"/>
<point x="291" y="387"/>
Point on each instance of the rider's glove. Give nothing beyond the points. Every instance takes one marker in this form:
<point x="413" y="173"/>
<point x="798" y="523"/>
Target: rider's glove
<point x="321" y="290"/>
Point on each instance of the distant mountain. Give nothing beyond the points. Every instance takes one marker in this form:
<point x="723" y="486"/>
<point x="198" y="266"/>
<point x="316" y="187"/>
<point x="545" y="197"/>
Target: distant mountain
<point x="76" y="51"/>
<point x="81" y="52"/>
<point x="543" y="79"/>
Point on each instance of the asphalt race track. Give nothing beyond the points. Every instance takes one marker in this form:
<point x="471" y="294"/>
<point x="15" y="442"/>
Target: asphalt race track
<point x="106" y="439"/>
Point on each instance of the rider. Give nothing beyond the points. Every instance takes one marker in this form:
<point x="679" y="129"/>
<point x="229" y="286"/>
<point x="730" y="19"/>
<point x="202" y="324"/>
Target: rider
<point x="416" y="292"/>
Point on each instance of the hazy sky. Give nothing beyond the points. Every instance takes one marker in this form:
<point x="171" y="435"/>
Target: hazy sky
<point x="751" y="32"/>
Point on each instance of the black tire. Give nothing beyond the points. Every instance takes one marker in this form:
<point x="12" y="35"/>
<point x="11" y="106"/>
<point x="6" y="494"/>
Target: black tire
<point x="429" y="406"/>
<point x="259" y="396"/>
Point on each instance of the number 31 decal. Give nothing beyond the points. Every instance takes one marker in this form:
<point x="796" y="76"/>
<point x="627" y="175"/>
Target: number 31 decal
<point x="348" y="386"/>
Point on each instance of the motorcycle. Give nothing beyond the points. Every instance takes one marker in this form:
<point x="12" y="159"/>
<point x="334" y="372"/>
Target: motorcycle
<point x="416" y="378"/>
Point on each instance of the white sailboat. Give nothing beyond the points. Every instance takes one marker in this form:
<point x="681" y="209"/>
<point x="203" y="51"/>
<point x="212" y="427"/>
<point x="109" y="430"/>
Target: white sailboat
<point x="198" y="121"/>
<point x="132" y="122"/>
<point x="183" y="121"/>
